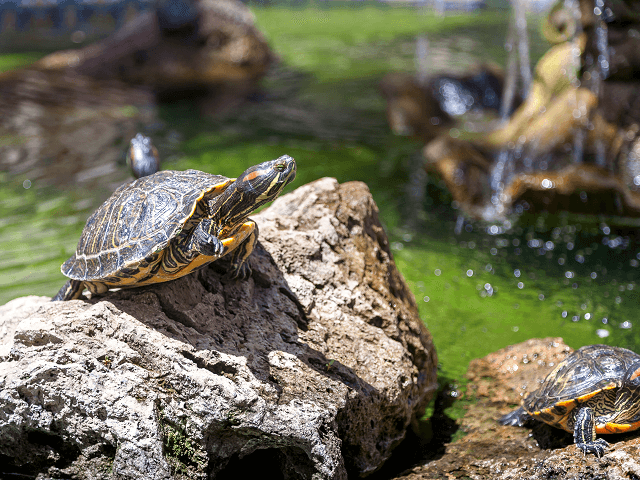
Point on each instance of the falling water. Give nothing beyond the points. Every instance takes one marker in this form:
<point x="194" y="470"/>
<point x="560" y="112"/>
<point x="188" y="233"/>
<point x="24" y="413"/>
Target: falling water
<point x="518" y="66"/>
<point x="601" y="71"/>
<point x="508" y="94"/>
<point x="579" y="136"/>
<point x="422" y="59"/>
<point x="520" y="20"/>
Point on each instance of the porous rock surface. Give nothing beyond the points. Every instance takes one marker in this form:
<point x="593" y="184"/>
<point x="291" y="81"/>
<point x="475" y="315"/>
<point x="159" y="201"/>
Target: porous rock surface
<point x="491" y="451"/>
<point x="314" y="367"/>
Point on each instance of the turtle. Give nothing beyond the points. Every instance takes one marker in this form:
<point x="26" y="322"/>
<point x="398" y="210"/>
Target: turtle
<point x="166" y="225"/>
<point x="595" y="389"/>
<point x="142" y="156"/>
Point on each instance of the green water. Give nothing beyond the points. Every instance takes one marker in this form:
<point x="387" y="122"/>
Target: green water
<point x="477" y="290"/>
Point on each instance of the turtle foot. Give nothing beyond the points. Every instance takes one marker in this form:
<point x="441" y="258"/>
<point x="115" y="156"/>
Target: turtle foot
<point x="597" y="447"/>
<point x="517" y="418"/>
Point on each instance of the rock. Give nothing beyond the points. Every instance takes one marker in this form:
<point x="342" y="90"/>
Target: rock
<point x="58" y="127"/>
<point x="214" y="52"/>
<point x="312" y="368"/>
<point x="490" y="450"/>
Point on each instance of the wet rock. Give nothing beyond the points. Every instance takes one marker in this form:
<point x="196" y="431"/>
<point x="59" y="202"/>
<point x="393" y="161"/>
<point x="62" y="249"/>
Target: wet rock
<point x="464" y="170"/>
<point x="314" y="367"/>
<point x="212" y="51"/>
<point x="576" y="188"/>
<point x="62" y="128"/>
<point x="492" y="451"/>
<point x="412" y="110"/>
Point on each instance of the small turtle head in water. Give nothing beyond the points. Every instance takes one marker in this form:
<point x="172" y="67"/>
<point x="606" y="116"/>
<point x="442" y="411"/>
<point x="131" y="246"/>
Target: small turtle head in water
<point x="142" y="156"/>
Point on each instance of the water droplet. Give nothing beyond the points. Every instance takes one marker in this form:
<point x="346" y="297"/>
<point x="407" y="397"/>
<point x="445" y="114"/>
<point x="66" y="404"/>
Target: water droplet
<point x="605" y="320"/>
<point x="520" y="285"/>
<point x="569" y="274"/>
<point x="626" y="324"/>
<point x="494" y="251"/>
<point x="516" y="273"/>
<point x="561" y="261"/>
<point x="516" y="242"/>
<point x="397" y="246"/>
<point x="515" y="329"/>
<point x="575" y="318"/>
<point x="26" y="184"/>
<point x="570" y="246"/>
<point x="564" y="314"/>
<point x="469" y="273"/>
<point x="426" y="298"/>
<point x="540" y="296"/>
<point x="602" y="333"/>
<point x="594" y="275"/>
<point x="587" y="316"/>
<point x="437" y="272"/>
<point x="618" y="300"/>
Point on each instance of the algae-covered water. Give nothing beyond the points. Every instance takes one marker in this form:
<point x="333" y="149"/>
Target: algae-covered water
<point x="479" y="286"/>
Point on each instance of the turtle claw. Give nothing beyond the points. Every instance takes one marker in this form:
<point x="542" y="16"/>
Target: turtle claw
<point x="240" y="272"/>
<point x="596" y="447"/>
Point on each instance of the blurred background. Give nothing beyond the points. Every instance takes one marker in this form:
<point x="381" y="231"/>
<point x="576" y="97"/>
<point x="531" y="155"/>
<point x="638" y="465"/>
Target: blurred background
<point x="498" y="140"/>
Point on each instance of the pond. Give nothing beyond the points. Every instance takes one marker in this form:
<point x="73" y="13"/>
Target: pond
<point x="479" y="286"/>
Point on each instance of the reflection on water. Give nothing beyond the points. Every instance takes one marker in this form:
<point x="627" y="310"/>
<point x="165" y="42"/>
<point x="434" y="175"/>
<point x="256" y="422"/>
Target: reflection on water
<point x="479" y="286"/>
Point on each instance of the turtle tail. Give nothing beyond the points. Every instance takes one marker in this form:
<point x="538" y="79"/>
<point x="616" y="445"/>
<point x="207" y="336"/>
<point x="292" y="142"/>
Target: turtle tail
<point x="70" y="291"/>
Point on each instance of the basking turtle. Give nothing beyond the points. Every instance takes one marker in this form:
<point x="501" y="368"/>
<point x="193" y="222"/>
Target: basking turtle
<point x="596" y="389"/>
<point x="142" y="156"/>
<point x="163" y="226"/>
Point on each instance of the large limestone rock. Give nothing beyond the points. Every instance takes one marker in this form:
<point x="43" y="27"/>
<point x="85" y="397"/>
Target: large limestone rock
<point x="314" y="367"/>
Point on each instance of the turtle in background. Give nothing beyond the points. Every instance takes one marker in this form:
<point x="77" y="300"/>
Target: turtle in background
<point x="142" y="156"/>
<point x="166" y="225"/>
<point x="596" y="389"/>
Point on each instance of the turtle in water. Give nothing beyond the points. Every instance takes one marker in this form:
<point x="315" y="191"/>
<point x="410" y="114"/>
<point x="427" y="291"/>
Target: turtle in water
<point x="596" y="389"/>
<point x="166" y="225"/>
<point x="142" y="156"/>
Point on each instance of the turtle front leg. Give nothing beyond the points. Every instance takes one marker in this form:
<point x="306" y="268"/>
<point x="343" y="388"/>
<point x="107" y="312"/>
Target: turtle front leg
<point x="241" y="244"/>
<point x="203" y="242"/>
<point x="584" y="433"/>
<point x="71" y="290"/>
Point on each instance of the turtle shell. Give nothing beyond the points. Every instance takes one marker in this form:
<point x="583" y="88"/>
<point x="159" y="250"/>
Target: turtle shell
<point x="593" y="374"/>
<point x="138" y="220"/>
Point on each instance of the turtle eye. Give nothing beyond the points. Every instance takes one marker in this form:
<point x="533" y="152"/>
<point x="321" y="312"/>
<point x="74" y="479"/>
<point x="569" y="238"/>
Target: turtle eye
<point x="280" y="166"/>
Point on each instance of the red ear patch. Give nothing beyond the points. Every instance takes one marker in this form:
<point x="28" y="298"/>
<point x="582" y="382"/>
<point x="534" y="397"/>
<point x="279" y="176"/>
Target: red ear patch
<point x="635" y="374"/>
<point x="252" y="175"/>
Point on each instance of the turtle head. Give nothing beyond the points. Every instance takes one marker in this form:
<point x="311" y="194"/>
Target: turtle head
<point x="258" y="185"/>
<point x="142" y="156"/>
<point x="264" y="182"/>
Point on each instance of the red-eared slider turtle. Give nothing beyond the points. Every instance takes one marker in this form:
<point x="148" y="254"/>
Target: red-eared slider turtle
<point x="163" y="226"/>
<point x="142" y="156"/>
<point x="596" y="389"/>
